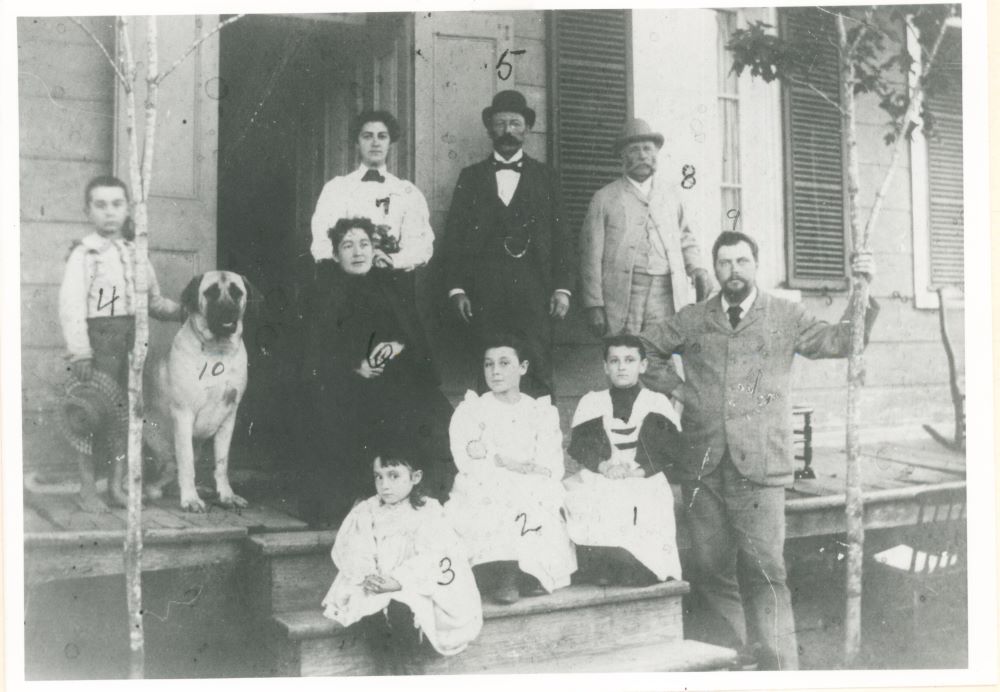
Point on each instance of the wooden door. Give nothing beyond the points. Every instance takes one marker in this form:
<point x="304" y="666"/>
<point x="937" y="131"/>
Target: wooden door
<point x="182" y="205"/>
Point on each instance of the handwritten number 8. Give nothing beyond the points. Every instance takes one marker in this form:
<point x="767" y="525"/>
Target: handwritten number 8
<point x="688" y="172"/>
<point x="446" y="569"/>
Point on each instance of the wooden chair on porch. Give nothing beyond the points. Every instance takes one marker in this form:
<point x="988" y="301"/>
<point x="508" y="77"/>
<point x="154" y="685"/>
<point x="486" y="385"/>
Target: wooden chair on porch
<point x="929" y="565"/>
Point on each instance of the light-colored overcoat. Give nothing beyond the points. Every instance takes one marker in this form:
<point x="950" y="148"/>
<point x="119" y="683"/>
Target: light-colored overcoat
<point x="614" y="234"/>
<point x="738" y="381"/>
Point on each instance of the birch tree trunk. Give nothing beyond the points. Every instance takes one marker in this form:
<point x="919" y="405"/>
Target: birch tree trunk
<point x="139" y="180"/>
<point x="855" y="363"/>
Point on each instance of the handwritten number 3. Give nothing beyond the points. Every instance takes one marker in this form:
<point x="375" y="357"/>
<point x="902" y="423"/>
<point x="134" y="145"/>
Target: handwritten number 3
<point x="524" y="524"/>
<point x="446" y="569"/>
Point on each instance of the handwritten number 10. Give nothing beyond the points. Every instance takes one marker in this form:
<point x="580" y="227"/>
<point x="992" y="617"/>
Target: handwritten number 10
<point x="217" y="369"/>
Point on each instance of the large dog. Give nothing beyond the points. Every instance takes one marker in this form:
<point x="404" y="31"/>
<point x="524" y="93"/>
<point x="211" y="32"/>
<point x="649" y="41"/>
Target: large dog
<point x="196" y="391"/>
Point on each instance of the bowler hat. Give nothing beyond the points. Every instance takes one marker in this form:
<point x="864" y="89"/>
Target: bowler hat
<point x="637" y="130"/>
<point x="509" y="101"/>
<point x="86" y="407"/>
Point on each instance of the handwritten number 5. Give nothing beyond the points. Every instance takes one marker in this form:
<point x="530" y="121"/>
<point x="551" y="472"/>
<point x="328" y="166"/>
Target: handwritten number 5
<point x="524" y="524"/>
<point x="502" y="63"/>
<point x="446" y="569"/>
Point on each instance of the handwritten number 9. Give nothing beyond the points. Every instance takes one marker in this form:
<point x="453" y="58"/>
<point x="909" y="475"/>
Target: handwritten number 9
<point x="446" y="569"/>
<point x="734" y="214"/>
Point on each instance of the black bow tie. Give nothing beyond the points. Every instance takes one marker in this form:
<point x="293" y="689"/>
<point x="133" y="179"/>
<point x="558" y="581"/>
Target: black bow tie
<point x="372" y="176"/>
<point x="508" y="165"/>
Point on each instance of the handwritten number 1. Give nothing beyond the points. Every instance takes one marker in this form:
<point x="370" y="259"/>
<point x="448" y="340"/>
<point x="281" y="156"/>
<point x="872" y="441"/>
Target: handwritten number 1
<point x="635" y="515"/>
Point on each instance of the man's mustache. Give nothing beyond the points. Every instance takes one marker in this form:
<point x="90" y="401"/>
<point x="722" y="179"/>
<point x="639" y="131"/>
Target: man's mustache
<point x="507" y="138"/>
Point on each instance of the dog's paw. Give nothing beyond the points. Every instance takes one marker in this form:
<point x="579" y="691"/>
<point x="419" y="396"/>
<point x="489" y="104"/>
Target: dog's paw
<point x="232" y="500"/>
<point x="192" y="504"/>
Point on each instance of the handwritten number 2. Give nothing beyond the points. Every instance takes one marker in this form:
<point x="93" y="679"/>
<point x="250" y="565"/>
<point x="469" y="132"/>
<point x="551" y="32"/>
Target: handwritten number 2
<point x="446" y="569"/>
<point x="524" y="524"/>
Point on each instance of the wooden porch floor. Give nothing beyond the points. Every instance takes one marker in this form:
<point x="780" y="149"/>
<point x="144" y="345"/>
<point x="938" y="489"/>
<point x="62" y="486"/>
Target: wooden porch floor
<point x="64" y="542"/>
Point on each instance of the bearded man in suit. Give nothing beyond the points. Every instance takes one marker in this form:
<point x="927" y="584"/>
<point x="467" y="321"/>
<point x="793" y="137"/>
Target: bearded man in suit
<point x="736" y="454"/>
<point x="508" y="254"/>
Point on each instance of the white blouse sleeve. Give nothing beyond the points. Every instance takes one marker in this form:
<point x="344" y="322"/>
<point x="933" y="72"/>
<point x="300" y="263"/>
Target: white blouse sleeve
<point x="548" y="444"/>
<point x="328" y="212"/>
<point x="73" y="294"/>
<point x="353" y="550"/>
<point x="416" y="238"/>
<point x="467" y="426"/>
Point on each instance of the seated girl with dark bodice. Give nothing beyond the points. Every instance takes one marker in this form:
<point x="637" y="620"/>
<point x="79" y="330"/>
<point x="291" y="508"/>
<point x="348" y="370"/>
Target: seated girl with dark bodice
<point x="368" y="378"/>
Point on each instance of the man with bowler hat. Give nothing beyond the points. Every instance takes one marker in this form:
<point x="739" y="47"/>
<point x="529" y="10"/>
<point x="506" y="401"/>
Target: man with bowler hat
<point x="508" y="254"/>
<point x="638" y="254"/>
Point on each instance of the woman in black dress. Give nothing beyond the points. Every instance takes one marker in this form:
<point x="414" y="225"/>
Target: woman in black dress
<point x="368" y="379"/>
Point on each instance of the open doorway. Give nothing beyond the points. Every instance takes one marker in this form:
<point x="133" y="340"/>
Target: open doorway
<point x="290" y="86"/>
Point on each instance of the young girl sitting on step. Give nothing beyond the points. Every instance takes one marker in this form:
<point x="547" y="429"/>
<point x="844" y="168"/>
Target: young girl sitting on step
<point x="508" y="494"/>
<point x="402" y="571"/>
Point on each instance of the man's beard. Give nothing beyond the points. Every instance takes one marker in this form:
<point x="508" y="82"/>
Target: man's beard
<point x="736" y="295"/>
<point x="640" y="171"/>
<point x="506" y="139"/>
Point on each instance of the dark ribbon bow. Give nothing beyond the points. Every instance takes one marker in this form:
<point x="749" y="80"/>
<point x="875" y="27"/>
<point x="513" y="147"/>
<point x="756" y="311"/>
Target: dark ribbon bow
<point x="508" y="166"/>
<point x="372" y="176"/>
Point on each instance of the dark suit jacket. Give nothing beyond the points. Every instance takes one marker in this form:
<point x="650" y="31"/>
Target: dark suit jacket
<point x="738" y="381"/>
<point x="475" y="227"/>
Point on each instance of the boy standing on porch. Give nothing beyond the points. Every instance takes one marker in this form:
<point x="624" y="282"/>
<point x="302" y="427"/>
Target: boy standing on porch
<point x="97" y="305"/>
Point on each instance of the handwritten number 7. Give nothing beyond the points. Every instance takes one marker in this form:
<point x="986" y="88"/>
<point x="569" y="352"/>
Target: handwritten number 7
<point x="446" y="569"/>
<point x="524" y="523"/>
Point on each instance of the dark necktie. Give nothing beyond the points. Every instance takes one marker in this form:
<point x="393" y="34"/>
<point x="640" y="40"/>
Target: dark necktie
<point x="734" y="315"/>
<point x="508" y="166"/>
<point x="372" y="176"/>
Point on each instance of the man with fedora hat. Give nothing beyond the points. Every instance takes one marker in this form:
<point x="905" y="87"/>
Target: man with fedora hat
<point x="508" y="253"/>
<point x="637" y="250"/>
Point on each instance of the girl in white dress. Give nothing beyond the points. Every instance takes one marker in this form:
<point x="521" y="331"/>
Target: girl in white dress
<point x="508" y="494"/>
<point x="403" y="571"/>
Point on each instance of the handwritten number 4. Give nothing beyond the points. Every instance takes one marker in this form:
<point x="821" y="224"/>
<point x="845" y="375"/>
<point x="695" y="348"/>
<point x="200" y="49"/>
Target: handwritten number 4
<point x="217" y="369"/>
<point x="502" y="63"/>
<point x="446" y="569"/>
<point x="111" y="303"/>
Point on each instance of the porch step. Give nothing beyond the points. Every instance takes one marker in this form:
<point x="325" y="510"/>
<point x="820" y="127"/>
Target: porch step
<point x="288" y="571"/>
<point x="686" y="655"/>
<point x="549" y="632"/>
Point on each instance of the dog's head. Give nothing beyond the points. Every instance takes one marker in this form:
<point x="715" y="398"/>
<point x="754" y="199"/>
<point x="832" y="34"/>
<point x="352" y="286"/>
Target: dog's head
<point x="220" y="298"/>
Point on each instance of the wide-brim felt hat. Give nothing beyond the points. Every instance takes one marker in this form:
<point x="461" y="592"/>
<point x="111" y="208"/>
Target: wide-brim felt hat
<point x="509" y="101"/>
<point x="98" y="404"/>
<point x="637" y="130"/>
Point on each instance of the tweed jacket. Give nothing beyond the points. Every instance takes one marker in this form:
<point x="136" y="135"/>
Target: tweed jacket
<point x="474" y="230"/>
<point x="738" y="381"/>
<point x="614" y="235"/>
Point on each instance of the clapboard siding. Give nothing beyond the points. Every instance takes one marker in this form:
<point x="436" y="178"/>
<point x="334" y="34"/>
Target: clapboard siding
<point x="66" y="115"/>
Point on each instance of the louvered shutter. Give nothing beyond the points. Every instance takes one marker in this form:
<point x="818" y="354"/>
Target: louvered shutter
<point x="590" y="73"/>
<point x="814" y="157"/>
<point x="944" y="163"/>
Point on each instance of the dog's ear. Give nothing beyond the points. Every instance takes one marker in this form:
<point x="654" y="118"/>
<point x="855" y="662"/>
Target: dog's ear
<point x="189" y="296"/>
<point x="255" y="298"/>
